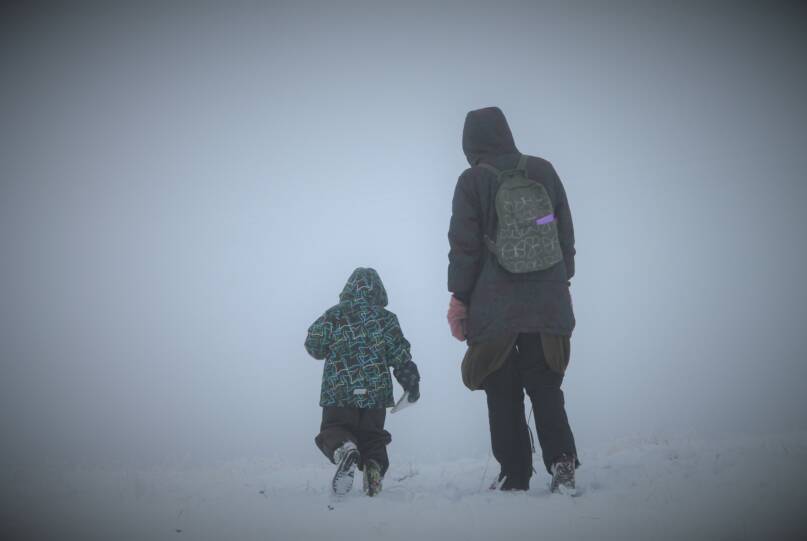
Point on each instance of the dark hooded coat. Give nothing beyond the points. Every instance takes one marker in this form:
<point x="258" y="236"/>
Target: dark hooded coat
<point x="360" y="341"/>
<point x="499" y="302"/>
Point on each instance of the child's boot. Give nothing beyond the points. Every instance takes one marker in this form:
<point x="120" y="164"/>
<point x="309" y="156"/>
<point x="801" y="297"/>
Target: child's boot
<point x="345" y="457"/>
<point x="372" y="478"/>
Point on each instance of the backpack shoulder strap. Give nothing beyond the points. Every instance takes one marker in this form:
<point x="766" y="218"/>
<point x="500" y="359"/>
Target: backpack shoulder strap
<point x="521" y="166"/>
<point x="522" y="163"/>
<point x="490" y="168"/>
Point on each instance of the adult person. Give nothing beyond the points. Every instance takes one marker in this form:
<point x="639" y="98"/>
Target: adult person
<point x="517" y="324"/>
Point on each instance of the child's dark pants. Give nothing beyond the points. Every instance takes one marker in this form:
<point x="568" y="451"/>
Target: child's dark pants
<point x="364" y="427"/>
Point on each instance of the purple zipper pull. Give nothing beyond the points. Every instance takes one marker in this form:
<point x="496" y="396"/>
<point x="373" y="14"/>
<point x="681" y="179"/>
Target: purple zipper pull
<point x="549" y="218"/>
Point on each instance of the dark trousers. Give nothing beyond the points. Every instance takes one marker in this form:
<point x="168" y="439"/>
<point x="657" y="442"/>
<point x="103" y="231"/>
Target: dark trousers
<point x="526" y="370"/>
<point x="364" y="427"/>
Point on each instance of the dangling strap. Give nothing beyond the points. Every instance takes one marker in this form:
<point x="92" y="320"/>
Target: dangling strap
<point x="490" y="244"/>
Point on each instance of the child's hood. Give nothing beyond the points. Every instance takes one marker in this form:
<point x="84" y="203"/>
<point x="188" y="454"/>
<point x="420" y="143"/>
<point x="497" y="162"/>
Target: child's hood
<point x="364" y="284"/>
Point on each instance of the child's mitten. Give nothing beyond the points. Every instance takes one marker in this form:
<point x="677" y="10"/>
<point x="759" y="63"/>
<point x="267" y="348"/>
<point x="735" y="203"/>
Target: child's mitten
<point x="414" y="393"/>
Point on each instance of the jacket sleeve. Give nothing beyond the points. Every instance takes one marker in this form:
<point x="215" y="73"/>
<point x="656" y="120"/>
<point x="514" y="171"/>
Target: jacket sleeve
<point x="317" y="343"/>
<point x="565" y="227"/>
<point x="398" y="355"/>
<point x="465" y="239"/>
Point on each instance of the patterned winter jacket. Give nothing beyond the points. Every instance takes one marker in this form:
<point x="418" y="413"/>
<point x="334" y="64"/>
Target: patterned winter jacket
<point x="360" y="341"/>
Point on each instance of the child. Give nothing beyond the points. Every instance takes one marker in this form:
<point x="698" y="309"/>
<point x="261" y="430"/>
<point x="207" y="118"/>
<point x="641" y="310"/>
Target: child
<point x="359" y="340"/>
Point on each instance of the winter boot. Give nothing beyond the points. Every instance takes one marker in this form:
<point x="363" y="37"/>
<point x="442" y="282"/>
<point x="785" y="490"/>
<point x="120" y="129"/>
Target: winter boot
<point x="508" y="482"/>
<point x="345" y="457"/>
<point x="563" y="476"/>
<point x="372" y="478"/>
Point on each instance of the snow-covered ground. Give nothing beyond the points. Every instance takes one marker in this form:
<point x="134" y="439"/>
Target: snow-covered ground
<point x="738" y="487"/>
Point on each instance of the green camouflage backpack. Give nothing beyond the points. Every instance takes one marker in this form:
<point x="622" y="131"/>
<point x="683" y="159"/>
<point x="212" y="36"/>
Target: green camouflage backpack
<point x="526" y="233"/>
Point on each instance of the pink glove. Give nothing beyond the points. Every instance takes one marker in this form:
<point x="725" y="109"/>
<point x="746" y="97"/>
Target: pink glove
<point x="457" y="314"/>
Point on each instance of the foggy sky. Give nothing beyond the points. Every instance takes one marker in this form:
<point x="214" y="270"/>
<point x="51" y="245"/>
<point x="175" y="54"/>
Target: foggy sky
<point x="184" y="190"/>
